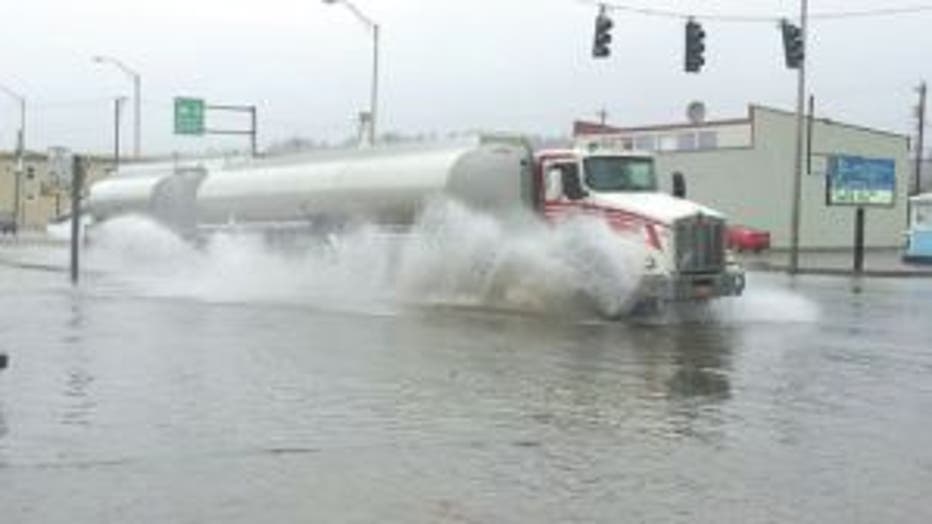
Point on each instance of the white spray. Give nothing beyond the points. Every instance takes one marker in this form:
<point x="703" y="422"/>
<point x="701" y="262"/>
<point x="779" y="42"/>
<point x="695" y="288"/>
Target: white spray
<point x="452" y="256"/>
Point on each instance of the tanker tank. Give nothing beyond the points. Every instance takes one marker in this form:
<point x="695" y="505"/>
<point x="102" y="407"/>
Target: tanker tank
<point x="386" y="185"/>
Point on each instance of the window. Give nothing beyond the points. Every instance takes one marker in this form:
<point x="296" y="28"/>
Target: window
<point x="923" y="217"/>
<point x="614" y="173"/>
<point x="645" y="143"/>
<point x="686" y="141"/>
<point x="553" y="186"/>
<point x="563" y="180"/>
<point x="667" y="143"/>
<point x="708" y="140"/>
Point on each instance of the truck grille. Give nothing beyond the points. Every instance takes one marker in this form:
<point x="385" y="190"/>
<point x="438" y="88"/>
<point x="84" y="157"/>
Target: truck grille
<point x="700" y="244"/>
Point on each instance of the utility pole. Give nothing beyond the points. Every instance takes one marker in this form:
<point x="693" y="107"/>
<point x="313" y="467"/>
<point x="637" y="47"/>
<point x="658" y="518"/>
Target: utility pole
<point x="20" y="156"/>
<point x="137" y="116"/>
<point x="798" y="157"/>
<point x="253" y="137"/>
<point x="603" y="115"/>
<point x="921" y="114"/>
<point x="374" y="94"/>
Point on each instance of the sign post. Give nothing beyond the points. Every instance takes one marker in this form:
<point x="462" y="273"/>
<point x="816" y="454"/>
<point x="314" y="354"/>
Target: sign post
<point x="77" y="184"/>
<point x="859" y="240"/>
<point x="860" y="182"/>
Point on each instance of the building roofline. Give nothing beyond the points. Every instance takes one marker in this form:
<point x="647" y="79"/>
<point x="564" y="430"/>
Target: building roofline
<point x="829" y="121"/>
<point x="749" y="118"/>
<point x="688" y="125"/>
<point x="32" y="155"/>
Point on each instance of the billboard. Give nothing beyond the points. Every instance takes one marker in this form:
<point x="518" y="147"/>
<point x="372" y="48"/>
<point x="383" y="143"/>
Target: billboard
<point x="860" y="181"/>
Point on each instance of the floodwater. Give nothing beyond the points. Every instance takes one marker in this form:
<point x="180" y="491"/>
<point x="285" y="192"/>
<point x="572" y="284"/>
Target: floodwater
<point x="214" y="387"/>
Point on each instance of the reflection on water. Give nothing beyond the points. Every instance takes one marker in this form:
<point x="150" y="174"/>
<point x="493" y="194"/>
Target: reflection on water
<point x="688" y="365"/>
<point x="3" y="428"/>
<point x="702" y="358"/>
<point x="79" y="403"/>
<point x="75" y="320"/>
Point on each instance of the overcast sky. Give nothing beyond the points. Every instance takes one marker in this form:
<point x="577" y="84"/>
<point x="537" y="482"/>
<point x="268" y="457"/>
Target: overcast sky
<point x="517" y="65"/>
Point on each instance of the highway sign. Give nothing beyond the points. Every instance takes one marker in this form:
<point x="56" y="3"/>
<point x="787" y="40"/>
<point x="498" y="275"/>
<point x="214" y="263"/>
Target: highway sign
<point x="860" y="181"/>
<point x="189" y="116"/>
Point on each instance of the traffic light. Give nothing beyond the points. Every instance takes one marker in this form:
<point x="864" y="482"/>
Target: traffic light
<point x="603" y="36"/>
<point x="792" y="44"/>
<point x="695" y="46"/>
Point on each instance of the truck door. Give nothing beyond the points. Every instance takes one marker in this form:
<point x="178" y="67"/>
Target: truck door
<point x="562" y="183"/>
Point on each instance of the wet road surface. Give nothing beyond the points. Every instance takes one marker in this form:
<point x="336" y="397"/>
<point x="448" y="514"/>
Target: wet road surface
<point x="806" y="401"/>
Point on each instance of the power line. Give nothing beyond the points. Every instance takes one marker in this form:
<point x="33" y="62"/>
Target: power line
<point x="827" y="15"/>
<point x="871" y="13"/>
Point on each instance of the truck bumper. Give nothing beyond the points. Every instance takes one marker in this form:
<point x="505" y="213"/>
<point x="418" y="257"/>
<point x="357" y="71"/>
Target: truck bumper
<point x="693" y="287"/>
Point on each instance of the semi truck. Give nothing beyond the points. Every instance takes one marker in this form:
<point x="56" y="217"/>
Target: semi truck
<point x="686" y="257"/>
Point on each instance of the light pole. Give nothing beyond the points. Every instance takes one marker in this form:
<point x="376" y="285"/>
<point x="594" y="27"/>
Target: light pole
<point x="117" y="111"/>
<point x="374" y="94"/>
<point x="20" y="152"/>
<point x="137" y="98"/>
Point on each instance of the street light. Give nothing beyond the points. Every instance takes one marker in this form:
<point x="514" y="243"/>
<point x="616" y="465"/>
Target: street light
<point x="374" y="27"/>
<point x="117" y="111"/>
<point x="20" y="152"/>
<point x="137" y="98"/>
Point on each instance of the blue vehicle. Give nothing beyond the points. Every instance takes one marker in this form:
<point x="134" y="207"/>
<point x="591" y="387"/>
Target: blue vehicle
<point x="919" y="236"/>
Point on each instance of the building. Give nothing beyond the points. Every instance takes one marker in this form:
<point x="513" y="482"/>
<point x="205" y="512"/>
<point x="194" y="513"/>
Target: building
<point x="744" y="168"/>
<point x="41" y="198"/>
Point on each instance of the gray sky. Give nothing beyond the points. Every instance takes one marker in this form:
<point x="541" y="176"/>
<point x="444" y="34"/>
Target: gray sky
<point x="517" y="65"/>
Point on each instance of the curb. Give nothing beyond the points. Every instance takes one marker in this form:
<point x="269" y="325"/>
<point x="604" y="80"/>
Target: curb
<point x="838" y="272"/>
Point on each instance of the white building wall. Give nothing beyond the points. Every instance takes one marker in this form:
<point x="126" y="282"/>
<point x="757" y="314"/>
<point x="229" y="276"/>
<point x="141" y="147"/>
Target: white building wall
<point x="753" y="185"/>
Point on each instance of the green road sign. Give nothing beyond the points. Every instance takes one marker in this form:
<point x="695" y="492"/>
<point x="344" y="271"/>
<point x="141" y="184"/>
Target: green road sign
<point x="189" y="116"/>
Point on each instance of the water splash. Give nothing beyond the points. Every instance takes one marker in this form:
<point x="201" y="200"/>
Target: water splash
<point x="452" y="256"/>
<point x="765" y="301"/>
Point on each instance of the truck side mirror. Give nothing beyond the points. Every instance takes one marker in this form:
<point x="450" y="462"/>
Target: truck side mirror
<point x="679" y="185"/>
<point x="572" y="186"/>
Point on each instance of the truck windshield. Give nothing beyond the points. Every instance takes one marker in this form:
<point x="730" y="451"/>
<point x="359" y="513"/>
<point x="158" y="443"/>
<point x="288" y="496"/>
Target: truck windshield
<point x="615" y="173"/>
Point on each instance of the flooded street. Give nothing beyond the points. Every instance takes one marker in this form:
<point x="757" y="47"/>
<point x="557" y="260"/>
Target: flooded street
<point x="436" y="262"/>
<point x="803" y="402"/>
